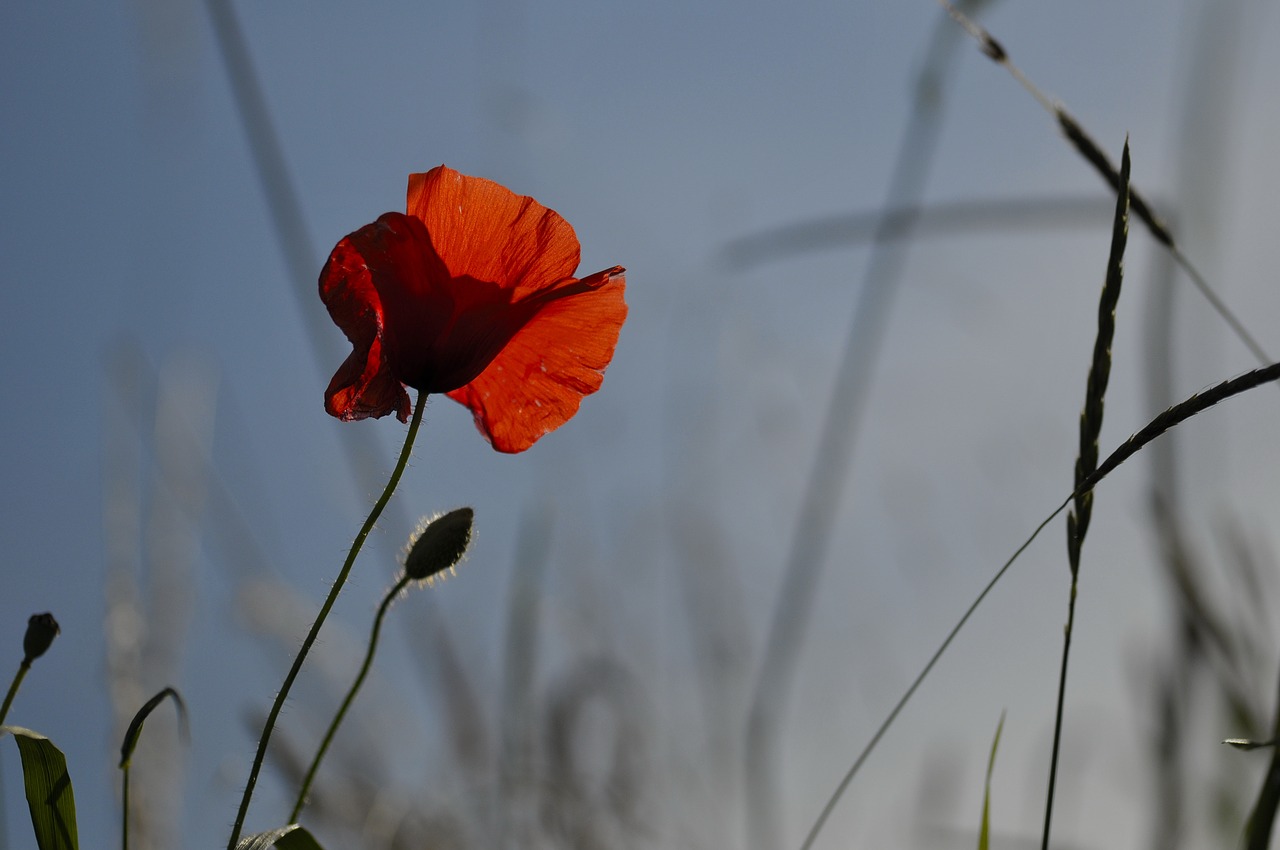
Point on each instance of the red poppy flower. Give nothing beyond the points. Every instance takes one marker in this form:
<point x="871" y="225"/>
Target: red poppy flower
<point x="470" y="294"/>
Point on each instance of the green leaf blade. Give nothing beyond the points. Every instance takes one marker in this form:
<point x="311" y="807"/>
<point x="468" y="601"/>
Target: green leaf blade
<point x="984" y="834"/>
<point x="50" y="796"/>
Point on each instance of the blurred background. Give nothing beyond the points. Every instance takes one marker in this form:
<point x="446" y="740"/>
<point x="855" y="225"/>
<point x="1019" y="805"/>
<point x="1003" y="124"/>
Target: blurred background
<point x="172" y="177"/>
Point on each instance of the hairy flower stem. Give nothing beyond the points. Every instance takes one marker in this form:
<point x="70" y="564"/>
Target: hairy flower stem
<point x="13" y="688"/>
<point x="356" y="546"/>
<point x="350" y="698"/>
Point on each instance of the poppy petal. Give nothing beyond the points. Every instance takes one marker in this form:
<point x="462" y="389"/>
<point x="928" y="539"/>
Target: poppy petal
<point x="485" y="231"/>
<point x="537" y="381"/>
<point x="365" y="385"/>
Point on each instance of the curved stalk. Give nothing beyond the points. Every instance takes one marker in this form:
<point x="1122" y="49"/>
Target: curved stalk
<point x="356" y="546"/>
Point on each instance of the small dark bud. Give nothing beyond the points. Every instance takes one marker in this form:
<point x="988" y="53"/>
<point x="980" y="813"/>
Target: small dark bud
<point x="439" y="545"/>
<point x="993" y="49"/>
<point x="41" y="630"/>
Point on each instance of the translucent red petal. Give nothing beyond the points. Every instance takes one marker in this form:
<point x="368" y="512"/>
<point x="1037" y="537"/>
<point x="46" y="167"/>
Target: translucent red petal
<point x="485" y="231"/>
<point x="537" y="382"/>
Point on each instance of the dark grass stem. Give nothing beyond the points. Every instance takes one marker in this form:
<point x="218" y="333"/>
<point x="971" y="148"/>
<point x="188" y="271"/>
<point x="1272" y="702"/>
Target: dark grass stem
<point x="1087" y="461"/>
<point x="1165" y="421"/>
<point x="124" y="809"/>
<point x="1257" y="831"/>
<point x="329" y="734"/>
<point x="919" y="680"/>
<point x="1095" y="156"/>
<point x="356" y="546"/>
<point x="131" y="737"/>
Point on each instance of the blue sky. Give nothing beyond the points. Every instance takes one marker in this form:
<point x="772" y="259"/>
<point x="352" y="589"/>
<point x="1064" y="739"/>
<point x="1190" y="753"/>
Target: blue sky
<point x="135" y="241"/>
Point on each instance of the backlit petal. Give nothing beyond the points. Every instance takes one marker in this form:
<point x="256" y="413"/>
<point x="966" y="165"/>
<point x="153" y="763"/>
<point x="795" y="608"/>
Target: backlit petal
<point x="538" y="380"/>
<point x="487" y="232"/>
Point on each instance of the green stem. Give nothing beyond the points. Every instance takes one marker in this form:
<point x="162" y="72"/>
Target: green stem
<point x="356" y="545"/>
<point x="124" y="815"/>
<point x="1057" y="722"/>
<point x="350" y="698"/>
<point x="13" y="688"/>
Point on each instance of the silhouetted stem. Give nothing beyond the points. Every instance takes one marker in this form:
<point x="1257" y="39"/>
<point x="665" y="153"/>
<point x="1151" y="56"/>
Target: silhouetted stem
<point x="1168" y="419"/>
<point x="1257" y="832"/>
<point x="356" y="546"/>
<point x="346" y="702"/>
<point x="124" y="811"/>
<point x="13" y="688"/>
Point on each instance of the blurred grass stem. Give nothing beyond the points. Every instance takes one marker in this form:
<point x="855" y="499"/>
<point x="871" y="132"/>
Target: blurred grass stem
<point x="830" y="471"/>
<point x="356" y="546"/>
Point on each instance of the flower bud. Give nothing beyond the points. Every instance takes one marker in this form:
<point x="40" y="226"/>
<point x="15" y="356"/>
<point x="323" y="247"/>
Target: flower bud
<point x="41" y="630"/>
<point x="439" y="544"/>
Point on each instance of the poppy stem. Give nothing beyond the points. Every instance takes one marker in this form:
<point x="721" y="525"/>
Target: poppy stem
<point x="13" y="688"/>
<point x="356" y="546"/>
<point x="350" y="698"/>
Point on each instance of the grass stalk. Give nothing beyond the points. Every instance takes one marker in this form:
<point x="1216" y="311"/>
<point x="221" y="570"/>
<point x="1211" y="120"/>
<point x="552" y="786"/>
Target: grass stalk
<point x="1162" y="423"/>
<point x="1087" y="461"/>
<point x="1257" y="832"/>
<point x="1094" y="155"/>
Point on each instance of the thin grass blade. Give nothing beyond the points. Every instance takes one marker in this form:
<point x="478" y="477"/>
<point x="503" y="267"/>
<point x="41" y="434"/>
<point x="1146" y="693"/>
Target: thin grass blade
<point x="134" y="732"/>
<point x="984" y="833"/>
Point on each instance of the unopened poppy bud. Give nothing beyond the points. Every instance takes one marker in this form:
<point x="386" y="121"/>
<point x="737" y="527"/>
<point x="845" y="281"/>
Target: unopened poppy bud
<point x="439" y="545"/>
<point x="41" y="630"/>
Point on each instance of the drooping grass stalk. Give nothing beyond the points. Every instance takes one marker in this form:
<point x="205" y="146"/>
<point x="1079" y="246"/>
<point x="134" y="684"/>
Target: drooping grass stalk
<point x="1087" y="461"/>
<point x="1178" y="414"/>
<point x="1094" y="155"/>
<point x="1170" y="418"/>
<point x="130" y="743"/>
<point x="356" y="546"/>
<point x="305" y="789"/>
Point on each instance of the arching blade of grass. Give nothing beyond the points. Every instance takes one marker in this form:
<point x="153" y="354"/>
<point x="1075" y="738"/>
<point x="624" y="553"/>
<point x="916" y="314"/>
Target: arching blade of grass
<point x="1170" y="418"/>
<point x="49" y="794"/>
<point x="131" y="736"/>
<point x="984" y="833"/>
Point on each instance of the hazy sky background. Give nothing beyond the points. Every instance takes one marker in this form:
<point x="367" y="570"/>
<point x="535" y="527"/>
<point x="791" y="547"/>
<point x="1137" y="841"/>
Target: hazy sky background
<point x="135" y="241"/>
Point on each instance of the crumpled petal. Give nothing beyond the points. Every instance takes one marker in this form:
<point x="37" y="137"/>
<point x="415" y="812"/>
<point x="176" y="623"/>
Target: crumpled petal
<point x="538" y="380"/>
<point x="366" y="385"/>
<point x="470" y="294"/>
